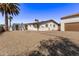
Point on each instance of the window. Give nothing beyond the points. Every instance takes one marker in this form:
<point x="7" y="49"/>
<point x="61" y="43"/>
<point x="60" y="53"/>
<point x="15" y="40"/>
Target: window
<point x="46" y="25"/>
<point x="54" y="25"/>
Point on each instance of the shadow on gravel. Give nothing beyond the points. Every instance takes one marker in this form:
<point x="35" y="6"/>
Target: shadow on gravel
<point x="61" y="47"/>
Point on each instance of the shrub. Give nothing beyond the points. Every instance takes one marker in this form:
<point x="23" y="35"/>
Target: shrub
<point x="61" y="47"/>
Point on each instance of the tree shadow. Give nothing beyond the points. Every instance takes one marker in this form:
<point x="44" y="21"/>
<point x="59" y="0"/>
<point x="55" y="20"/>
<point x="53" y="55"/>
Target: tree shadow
<point x="62" y="47"/>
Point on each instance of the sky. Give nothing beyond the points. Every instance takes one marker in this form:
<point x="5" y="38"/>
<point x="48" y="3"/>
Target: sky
<point x="43" y="11"/>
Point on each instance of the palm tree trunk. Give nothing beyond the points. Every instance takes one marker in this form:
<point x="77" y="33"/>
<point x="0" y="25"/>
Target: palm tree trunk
<point x="6" y="21"/>
<point x="37" y="26"/>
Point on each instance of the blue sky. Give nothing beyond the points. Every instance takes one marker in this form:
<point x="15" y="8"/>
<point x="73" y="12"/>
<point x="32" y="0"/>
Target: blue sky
<point x="43" y="11"/>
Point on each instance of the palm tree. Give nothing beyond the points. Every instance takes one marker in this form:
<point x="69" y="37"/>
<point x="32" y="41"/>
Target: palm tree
<point x="10" y="19"/>
<point x="9" y="9"/>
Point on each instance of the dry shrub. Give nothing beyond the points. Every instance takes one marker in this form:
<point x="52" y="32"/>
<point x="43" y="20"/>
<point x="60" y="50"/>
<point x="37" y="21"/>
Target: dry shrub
<point x="61" y="47"/>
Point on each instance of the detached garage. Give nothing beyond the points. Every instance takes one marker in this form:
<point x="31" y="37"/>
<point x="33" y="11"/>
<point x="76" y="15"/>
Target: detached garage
<point x="70" y="23"/>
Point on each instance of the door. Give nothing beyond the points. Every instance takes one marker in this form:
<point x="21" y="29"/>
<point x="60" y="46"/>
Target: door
<point x="72" y="26"/>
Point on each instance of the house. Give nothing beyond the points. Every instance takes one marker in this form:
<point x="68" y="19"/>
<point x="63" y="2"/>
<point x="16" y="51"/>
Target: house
<point x="18" y="26"/>
<point x="48" y="25"/>
<point x="70" y="23"/>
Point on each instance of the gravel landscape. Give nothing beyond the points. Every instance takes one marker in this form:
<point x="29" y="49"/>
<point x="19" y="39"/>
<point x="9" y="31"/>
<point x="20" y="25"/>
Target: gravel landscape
<point x="22" y="42"/>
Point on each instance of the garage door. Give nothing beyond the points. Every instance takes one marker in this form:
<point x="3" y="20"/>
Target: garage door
<point x="72" y="27"/>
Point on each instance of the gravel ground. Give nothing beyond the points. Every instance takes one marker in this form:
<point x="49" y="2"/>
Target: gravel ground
<point x="21" y="42"/>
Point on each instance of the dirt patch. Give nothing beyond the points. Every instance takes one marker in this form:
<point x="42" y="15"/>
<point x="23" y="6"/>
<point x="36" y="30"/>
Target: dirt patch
<point x="21" y="42"/>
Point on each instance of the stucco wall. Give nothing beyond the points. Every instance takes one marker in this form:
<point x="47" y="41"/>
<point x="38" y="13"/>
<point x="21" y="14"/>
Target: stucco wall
<point x="43" y="27"/>
<point x="31" y="28"/>
<point x="69" y="20"/>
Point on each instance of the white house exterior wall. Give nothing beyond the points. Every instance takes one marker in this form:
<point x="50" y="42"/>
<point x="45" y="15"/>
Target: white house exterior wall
<point x="43" y="27"/>
<point x="69" y="20"/>
<point x="31" y="28"/>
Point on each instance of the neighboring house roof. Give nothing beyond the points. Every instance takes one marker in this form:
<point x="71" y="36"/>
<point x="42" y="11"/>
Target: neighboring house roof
<point x="42" y="22"/>
<point x="70" y="16"/>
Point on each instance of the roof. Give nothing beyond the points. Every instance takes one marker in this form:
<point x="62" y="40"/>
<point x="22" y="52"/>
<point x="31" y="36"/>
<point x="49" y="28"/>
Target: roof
<point x="70" y="16"/>
<point x="42" y="22"/>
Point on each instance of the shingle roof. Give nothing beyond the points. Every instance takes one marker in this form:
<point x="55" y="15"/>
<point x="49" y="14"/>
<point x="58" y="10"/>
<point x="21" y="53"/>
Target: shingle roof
<point x="42" y="22"/>
<point x="70" y="16"/>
